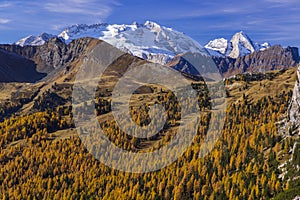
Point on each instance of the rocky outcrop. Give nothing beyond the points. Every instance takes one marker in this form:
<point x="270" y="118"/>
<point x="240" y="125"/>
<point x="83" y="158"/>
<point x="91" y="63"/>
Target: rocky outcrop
<point x="294" y="108"/>
<point x="52" y="55"/>
<point x="275" y="57"/>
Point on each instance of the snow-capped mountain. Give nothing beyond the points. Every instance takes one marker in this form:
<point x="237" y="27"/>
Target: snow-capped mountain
<point x="239" y="45"/>
<point x="219" y="45"/>
<point x="149" y="41"/>
<point x="35" y="41"/>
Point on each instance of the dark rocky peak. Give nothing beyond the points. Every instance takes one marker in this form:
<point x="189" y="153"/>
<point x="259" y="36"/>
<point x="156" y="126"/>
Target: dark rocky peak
<point x="53" y="54"/>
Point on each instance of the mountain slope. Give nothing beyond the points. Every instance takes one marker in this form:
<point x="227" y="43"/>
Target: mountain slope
<point x="56" y="54"/>
<point x="52" y="55"/>
<point x="60" y="61"/>
<point x="15" y="68"/>
<point x="253" y="115"/>
<point x="238" y="155"/>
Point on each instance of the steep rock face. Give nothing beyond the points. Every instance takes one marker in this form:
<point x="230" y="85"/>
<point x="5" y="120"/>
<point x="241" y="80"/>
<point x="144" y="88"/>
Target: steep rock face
<point x="289" y="128"/>
<point x="294" y="108"/>
<point x="272" y="58"/>
<point x="52" y="55"/>
<point x="46" y="56"/>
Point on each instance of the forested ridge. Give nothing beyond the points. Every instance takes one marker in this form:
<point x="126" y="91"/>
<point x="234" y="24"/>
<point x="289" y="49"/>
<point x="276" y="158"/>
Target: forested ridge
<point x="37" y="164"/>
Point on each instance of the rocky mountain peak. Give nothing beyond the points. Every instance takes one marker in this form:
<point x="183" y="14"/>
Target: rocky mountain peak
<point x="239" y="45"/>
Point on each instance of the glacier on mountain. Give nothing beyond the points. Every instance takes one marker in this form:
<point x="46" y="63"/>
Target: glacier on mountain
<point x="35" y="41"/>
<point x="149" y="41"/>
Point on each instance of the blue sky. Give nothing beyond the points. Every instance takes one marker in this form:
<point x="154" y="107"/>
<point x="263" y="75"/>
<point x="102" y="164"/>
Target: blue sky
<point x="275" y="21"/>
